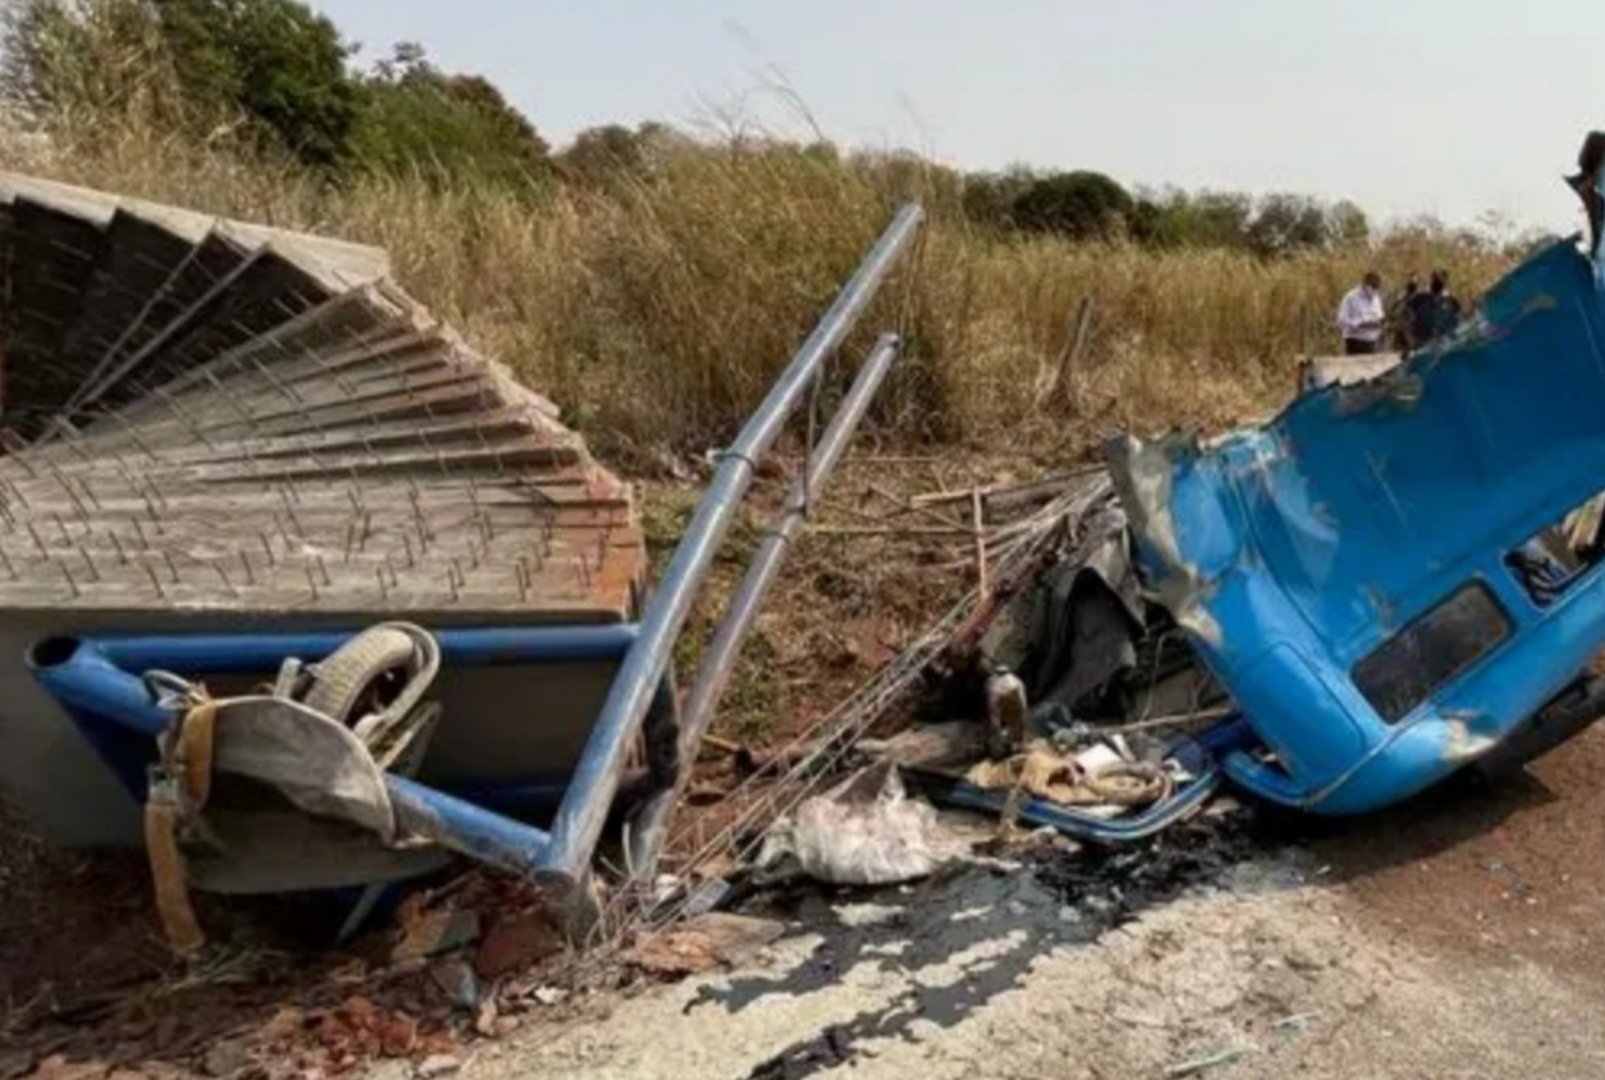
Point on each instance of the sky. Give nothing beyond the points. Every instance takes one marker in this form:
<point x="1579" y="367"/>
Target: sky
<point x="1455" y="108"/>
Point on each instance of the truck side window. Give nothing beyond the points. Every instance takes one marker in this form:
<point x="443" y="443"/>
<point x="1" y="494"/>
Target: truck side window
<point x="1416" y="662"/>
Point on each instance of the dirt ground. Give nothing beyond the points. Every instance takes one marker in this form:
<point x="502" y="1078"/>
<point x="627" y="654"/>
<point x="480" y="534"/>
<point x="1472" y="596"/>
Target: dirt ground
<point x="86" y="984"/>
<point x="1454" y="937"/>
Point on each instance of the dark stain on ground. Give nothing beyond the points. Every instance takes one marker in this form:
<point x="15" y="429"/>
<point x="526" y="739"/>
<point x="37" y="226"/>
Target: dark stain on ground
<point x="1066" y="899"/>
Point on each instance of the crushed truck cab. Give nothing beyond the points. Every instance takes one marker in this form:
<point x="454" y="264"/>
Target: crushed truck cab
<point x="1394" y="577"/>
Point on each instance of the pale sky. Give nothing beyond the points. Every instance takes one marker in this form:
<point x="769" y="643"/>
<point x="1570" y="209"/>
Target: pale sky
<point x="1449" y="107"/>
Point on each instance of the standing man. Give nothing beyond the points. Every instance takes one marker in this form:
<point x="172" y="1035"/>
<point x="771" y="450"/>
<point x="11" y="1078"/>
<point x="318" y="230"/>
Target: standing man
<point x="1399" y="315"/>
<point x="1434" y="313"/>
<point x="1361" y="316"/>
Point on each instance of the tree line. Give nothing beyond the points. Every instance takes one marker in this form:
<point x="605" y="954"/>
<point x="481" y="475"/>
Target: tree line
<point x="272" y="74"/>
<point x="283" y="79"/>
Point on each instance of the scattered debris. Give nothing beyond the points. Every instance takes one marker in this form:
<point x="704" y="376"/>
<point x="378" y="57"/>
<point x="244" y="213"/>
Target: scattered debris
<point x="457" y="980"/>
<point x="1291" y="1027"/>
<point x="225" y="1058"/>
<point x="438" y="1065"/>
<point x="549" y="995"/>
<point x="946" y="743"/>
<point x="516" y="940"/>
<point x="1101" y="679"/>
<point x="715" y="940"/>
<point x="422" y="935"/>
<point x="864" y="831"/>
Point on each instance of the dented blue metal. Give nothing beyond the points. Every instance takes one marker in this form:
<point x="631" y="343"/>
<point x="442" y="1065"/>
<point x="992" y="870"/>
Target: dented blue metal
<point x="1345" y="570"/>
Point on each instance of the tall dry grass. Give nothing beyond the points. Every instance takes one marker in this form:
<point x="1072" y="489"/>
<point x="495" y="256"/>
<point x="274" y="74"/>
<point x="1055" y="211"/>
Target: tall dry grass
<point x="657" y="311"/>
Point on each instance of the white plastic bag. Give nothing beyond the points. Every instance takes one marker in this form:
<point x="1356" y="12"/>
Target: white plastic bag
<point x="864" y="831"/>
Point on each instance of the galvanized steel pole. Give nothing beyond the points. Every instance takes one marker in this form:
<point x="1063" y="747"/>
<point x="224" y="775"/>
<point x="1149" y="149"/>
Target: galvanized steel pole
<point x="647" y="830"/>
<point x="585" y="806"/>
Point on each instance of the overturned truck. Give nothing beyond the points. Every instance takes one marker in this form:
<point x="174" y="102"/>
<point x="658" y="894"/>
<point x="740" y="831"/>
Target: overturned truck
<point x="230" y="450"/>
<point x="308" y="595"/>
<point x="1399" y="576"/>
<point x="1394" y="578"/>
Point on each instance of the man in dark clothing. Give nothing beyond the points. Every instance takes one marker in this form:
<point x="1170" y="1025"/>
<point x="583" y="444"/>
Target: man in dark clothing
<point x="1398" y="315"/>
<point x="1430" y="315"/>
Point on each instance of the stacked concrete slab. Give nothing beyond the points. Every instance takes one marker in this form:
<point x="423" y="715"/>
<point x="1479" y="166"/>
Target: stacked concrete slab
<point x="210" y="424"/>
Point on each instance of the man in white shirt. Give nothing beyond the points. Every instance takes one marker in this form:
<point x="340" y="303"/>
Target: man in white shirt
<point x="1361" y="316"/>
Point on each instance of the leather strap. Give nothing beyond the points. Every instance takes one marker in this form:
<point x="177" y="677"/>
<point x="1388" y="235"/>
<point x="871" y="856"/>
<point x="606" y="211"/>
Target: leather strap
<point x="179" y="788"/>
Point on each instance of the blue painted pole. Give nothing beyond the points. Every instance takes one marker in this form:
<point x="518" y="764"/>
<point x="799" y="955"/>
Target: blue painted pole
<point x="217" y="654"/>
<point x="650" y="825"/>
<point x="470" y="830"/>
<point x="82" y="678"/>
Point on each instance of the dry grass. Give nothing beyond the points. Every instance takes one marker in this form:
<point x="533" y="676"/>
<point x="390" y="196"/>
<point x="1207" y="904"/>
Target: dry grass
<point x="657" y="312"/>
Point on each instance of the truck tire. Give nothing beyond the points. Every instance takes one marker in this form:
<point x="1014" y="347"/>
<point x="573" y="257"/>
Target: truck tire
<point x="350" y="683"/>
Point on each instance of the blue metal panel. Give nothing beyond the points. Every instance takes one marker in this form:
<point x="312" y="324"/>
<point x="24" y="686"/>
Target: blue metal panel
<point x="114" y="713"/>
<point x="1291" y="551"/>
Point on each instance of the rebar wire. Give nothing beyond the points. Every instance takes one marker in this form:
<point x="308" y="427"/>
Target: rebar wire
<point x="835" y="735"/>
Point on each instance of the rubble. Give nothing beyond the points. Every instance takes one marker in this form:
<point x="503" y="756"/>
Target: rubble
<point x="445" y="930"/>
<point x="517" y="939"/>
<point x="437" y="1065"/>
<point x="714" y="940"/>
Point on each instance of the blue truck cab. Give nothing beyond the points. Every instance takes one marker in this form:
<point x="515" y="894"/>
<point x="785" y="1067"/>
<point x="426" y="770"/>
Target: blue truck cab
<point x="1399" y="576"/>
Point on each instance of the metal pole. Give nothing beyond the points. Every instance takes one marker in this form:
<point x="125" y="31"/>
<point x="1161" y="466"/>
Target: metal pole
<point x="195" y="655"/>
<point x="482" y="835"/>
<point x="651" y="823"/>
<point x="585" y="807"/>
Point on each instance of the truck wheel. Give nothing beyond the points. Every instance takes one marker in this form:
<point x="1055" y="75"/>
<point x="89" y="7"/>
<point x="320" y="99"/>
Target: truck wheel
<point x="362" y="676"/>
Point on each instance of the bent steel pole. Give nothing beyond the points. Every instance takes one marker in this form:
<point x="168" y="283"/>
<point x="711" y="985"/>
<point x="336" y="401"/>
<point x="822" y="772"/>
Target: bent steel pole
<point x="586" y="804"/>
<point x="649" y="828"/>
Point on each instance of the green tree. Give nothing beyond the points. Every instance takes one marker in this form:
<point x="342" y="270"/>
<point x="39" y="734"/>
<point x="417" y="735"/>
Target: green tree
<point x="272" y="63"/>
<point x="603" y="155"/>
<point x="989" y="198"/>
<point x="1221" y="218"/>
<point x="1346" y="223"/>
<point x="83" y="57"/>
<point x="415" y="118"/>
<point x="1082" y="205"/>
<point x="1162" y="217"/>
<point x="1178" y="219"/>
<point x="1286" y="223"/>
<point x="600" y="154"/>
<point x="279" y="63"/>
